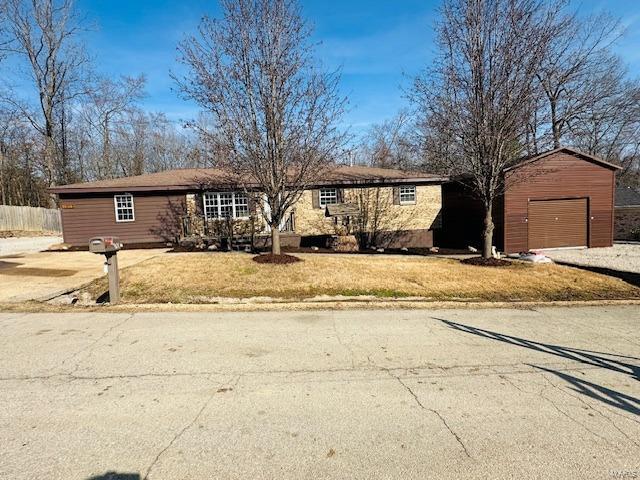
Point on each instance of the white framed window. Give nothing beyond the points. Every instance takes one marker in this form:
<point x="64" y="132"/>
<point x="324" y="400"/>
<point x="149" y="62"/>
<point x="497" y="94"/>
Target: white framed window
<point x="218" y="205"/>
<point x="407" y="195"/>
<point x="328" y="196"/>
<point x="123" y="205"/>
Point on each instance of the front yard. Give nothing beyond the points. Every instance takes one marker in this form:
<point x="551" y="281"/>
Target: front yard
<point x="208" y="277"/>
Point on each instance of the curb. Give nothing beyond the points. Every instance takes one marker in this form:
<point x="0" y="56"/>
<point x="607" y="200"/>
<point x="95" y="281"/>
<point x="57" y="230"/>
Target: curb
<point x="395" y="304"/>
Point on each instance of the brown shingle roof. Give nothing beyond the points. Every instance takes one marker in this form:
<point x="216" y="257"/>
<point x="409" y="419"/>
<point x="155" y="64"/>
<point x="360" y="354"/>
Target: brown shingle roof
<point x="181" y="179"/>
<point x="627" y="197"/>
<point x="190" y="178"/>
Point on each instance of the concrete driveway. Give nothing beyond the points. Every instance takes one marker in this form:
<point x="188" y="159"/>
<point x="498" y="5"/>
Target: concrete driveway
<point x="22" y="245"/>
<point x="40" y="276"/>
<point x="550" y="393"/>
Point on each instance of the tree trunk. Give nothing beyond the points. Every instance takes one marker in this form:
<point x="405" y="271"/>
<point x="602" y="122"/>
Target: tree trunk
<point x="555" y="124"/>
<point x="50" y="153"/>
<point x="487" y="233"/>
<point x="275" y="240"/>
<point x="3" y="193"/>
<point x="106" y="149"/>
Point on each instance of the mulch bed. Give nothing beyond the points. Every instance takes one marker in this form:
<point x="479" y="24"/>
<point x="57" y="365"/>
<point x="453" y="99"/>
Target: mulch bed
<point x="282" y="259"/>
<point x="486" y="262"/>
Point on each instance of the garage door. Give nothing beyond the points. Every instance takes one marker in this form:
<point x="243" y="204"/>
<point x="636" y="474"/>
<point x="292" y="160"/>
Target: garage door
<point x="558" y="223"/>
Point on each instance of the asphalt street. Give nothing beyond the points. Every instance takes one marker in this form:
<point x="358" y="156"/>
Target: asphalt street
<point x="541" y="393"/>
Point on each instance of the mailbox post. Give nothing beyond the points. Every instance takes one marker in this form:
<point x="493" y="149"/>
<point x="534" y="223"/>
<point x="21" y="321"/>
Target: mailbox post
<point x="109" y="247"/>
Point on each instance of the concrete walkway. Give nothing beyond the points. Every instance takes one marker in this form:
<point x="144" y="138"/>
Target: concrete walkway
<point x="551" y="393"/>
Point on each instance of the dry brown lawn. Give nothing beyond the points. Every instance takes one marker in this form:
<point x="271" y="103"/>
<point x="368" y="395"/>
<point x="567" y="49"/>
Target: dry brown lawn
<point x="208" y="277"/>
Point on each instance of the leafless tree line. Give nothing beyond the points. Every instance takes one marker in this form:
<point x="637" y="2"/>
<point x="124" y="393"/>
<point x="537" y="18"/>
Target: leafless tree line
<point x="579" y="95"/>
<point x="391" y="144"/>
<point x="60" y="121"/>
<point x="586" y="97"/>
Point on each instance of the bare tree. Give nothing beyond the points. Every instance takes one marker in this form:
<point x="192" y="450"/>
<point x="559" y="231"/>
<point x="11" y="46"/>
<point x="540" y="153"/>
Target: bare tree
<point x="170" y="146"/>
<point x="390" y="144"/>
<point x="481" y="86"/>
<point x="109" y="101"/>
<point x="577" y="56"/>
<point x="274" y="111"/>
<point x="20" y="183"/>
<point x="132" y="136"/>
<point x="4" y="30"/>
<point x="6" y="121"/>
<point x="608" y="126"/>
<point x="71" y="126"/>
<point x="44" y="32"/>
<point x="586" y="97"/>
<point x="150" y="142"/>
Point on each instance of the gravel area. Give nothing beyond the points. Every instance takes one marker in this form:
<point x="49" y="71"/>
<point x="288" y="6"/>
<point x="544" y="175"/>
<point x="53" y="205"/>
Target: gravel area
<point x="15" y="245"/>
<point x="622" y="257"/>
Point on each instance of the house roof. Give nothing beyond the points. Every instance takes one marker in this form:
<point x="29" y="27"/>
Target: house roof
<point x="627" y="197"/>
<point x="187" y="179"/>
<point x="586" y="156"/>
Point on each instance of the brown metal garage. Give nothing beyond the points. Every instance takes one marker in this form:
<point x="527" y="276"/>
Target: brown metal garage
<point x="561" y="198"/>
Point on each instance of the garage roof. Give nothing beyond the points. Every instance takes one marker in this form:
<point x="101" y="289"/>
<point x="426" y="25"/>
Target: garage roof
<point x="572" y="151"/>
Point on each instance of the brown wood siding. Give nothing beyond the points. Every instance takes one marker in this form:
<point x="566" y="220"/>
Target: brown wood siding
<point x="559" y="176"/>
<point x="463" y="218"/>
<point x="557" y="223"/>
<point x="157" y="217"/>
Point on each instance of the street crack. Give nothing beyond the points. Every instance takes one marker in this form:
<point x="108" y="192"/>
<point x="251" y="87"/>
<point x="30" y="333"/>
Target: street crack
<point x="89" y="348"/>
<point x="432" y="410"/>
<point x="344" y="345"/>
<point x="565" y="414"/>
<point x="184" y="429"/>
<point x="599" y="412"/>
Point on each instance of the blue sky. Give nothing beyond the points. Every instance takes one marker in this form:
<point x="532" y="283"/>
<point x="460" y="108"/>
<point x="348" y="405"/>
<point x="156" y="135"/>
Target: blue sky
<point x="379" y="44"/>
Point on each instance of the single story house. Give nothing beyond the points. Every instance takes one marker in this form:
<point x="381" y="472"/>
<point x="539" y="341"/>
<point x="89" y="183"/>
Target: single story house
<point x="627" y="214"/>
<point x="393" y="208"/>
<point x="560" y="198"/>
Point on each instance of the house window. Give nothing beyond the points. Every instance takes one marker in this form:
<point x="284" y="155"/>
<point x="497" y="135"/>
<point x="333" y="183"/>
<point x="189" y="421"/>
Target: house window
<point x="123" y="205"/>
<point x="328" y="196"/>
<point x="407" y="195"/>
<point x="226" y="205"/>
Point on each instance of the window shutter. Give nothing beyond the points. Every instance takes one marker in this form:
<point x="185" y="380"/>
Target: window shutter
<point x="396" y="195"/>
<point x="200" y="204"/>
<point x="415" y="195"/>
<point x="315" y="198"/>
<point x="340" y="192"/>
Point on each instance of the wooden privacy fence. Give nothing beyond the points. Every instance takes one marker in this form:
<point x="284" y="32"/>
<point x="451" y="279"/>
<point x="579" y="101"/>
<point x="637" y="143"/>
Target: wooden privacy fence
<point x="31" y="219"/>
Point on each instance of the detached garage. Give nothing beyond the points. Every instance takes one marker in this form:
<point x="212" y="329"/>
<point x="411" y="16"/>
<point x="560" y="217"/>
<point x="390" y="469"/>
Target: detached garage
<point x="561" y="198"/>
